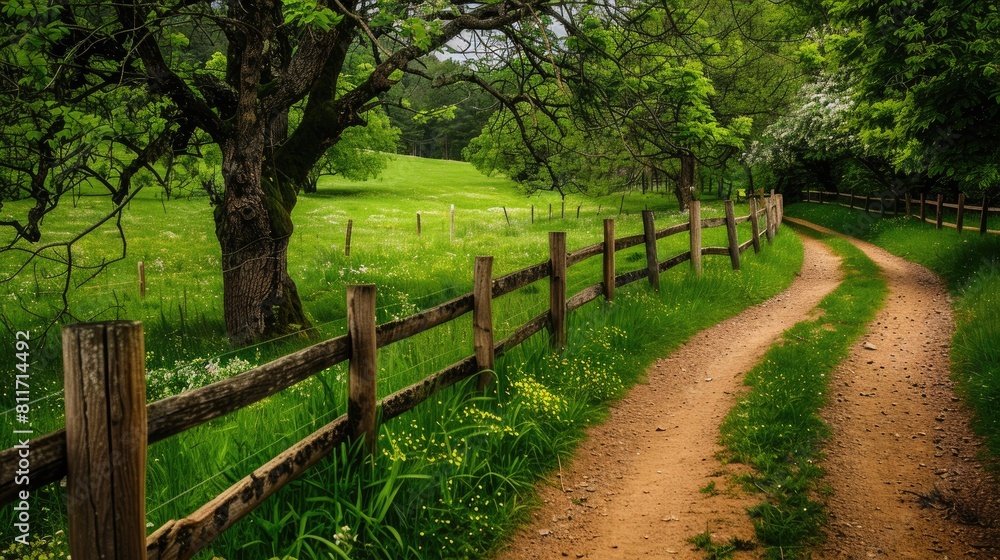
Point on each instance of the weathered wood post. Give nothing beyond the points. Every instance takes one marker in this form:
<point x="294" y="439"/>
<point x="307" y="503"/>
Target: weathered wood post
<point x="106" y="440"/>
<point x="695" y="220"/>
<point x="780" y="207"/>
<point x="363" y="364"/>
<point x="769" y="226"/>
<point x="649" y="237"/>
<point x="868" y="204"/>
<point x="734" y="242"/>
<point x="754" y="224"/>
<point x="609" y="259"/>
<point x="938" y="216"/>
<point x="482" y="319"/>
<point x="142" y="279"/>
<point x="557" y="288"/>
<point x="961" y="212"/>
<point x="984" y="214"/>
<point x="418" y="224"/>
<point x="923" y="208"/>
<point x="909" y="204"/>
<point x="895" y="205"/>
<point x="852" y="201"/>
<point x="347" y="242"/>
<point x="820" y="196"/>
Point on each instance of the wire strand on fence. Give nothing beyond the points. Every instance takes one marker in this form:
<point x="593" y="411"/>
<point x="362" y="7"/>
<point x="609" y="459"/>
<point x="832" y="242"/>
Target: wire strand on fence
<point x="33" y="401"/>
<point x="228" y="470"/>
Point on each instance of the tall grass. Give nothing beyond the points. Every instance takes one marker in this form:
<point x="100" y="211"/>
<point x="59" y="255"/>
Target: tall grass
<point x="453" y="475"/>
<point x="970" y="265"/>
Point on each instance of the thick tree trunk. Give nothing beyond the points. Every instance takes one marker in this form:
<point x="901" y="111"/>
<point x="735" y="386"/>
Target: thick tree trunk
<point x="253" y="225"/>
<point x="685" y="182"/>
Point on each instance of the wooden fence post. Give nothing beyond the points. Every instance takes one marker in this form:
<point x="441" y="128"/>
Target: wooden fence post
<point x="961" y="212"/>
<point x="769" y="226"/>
<point x="754" y="224"/>
<point x="780" y="208"/>
<point x="695" y="220"/>
<point x="347" y="243"/>
<point x="940" y="206"/>
<point x="482" y="319"/>
<point x="418" y="224"/>
<point x="923" y="208"/>
<point x="142" y="280"/>
<point x="881" y="205"/>
<point x="734" y="243"/>
<point x="649" y="236"/>
<point x="895" y="205"/>
<point x="868" y="204"/>
<point x="984" y="214"/>
<point x="557" y="288"/>
<point x="909" y="204"/>
<point x="821" y="196"/>
<point x="852" y="201"/>
<point x="106" y="440"/>
<point x="363" y="364"/>
<point x="609" y="259"/>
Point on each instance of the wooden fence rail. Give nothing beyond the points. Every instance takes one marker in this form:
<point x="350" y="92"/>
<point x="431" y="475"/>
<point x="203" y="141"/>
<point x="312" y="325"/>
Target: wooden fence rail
<point x="887" y="205"/>
<point x="105" y="361"/>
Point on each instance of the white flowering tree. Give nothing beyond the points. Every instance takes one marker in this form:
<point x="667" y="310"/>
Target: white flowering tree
<point x="817" y="142"/>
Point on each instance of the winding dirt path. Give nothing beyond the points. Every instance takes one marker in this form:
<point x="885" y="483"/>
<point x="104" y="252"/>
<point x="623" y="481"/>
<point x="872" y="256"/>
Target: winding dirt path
<point x="901" y="464"/>
<point x="633" y="490"/>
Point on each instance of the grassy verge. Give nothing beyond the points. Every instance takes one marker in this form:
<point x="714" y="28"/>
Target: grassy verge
<point x="776" y="427"/>
<point x="970" y="264"/>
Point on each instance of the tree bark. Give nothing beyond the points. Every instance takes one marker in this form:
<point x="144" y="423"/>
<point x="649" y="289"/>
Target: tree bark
<point x="253" y="222"/>
<point x="685" y="182"/>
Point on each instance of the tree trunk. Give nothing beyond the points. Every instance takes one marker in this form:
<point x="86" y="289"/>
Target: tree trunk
<point x="685" y="182"/>
<point x="253" y="225"/>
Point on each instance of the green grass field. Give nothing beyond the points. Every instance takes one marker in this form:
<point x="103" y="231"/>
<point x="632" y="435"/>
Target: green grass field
<point x="453" y="476"/>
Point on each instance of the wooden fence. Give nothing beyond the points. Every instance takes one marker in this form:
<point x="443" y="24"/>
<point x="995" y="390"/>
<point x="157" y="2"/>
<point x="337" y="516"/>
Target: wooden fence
<point x="102" y="450"/>
<point x="910" y="207"/>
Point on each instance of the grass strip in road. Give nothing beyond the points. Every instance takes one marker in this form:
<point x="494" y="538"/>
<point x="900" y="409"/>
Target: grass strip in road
<point x="776" y="427"/>
<point x="970" y="264"/>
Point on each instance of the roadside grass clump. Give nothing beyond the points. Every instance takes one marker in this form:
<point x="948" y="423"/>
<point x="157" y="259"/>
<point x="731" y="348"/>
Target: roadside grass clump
<point x="970" y="265"/>
<point x="720" y="551"/>
<point x="776" y="427"/>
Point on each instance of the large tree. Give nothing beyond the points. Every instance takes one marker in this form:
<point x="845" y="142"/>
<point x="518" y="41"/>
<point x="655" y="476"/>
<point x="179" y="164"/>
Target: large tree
<point x="99" y="92"/>
<point x="928" y="84"/>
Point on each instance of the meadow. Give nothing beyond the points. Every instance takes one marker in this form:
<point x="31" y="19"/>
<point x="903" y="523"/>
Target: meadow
<point x="453" y="477"/>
